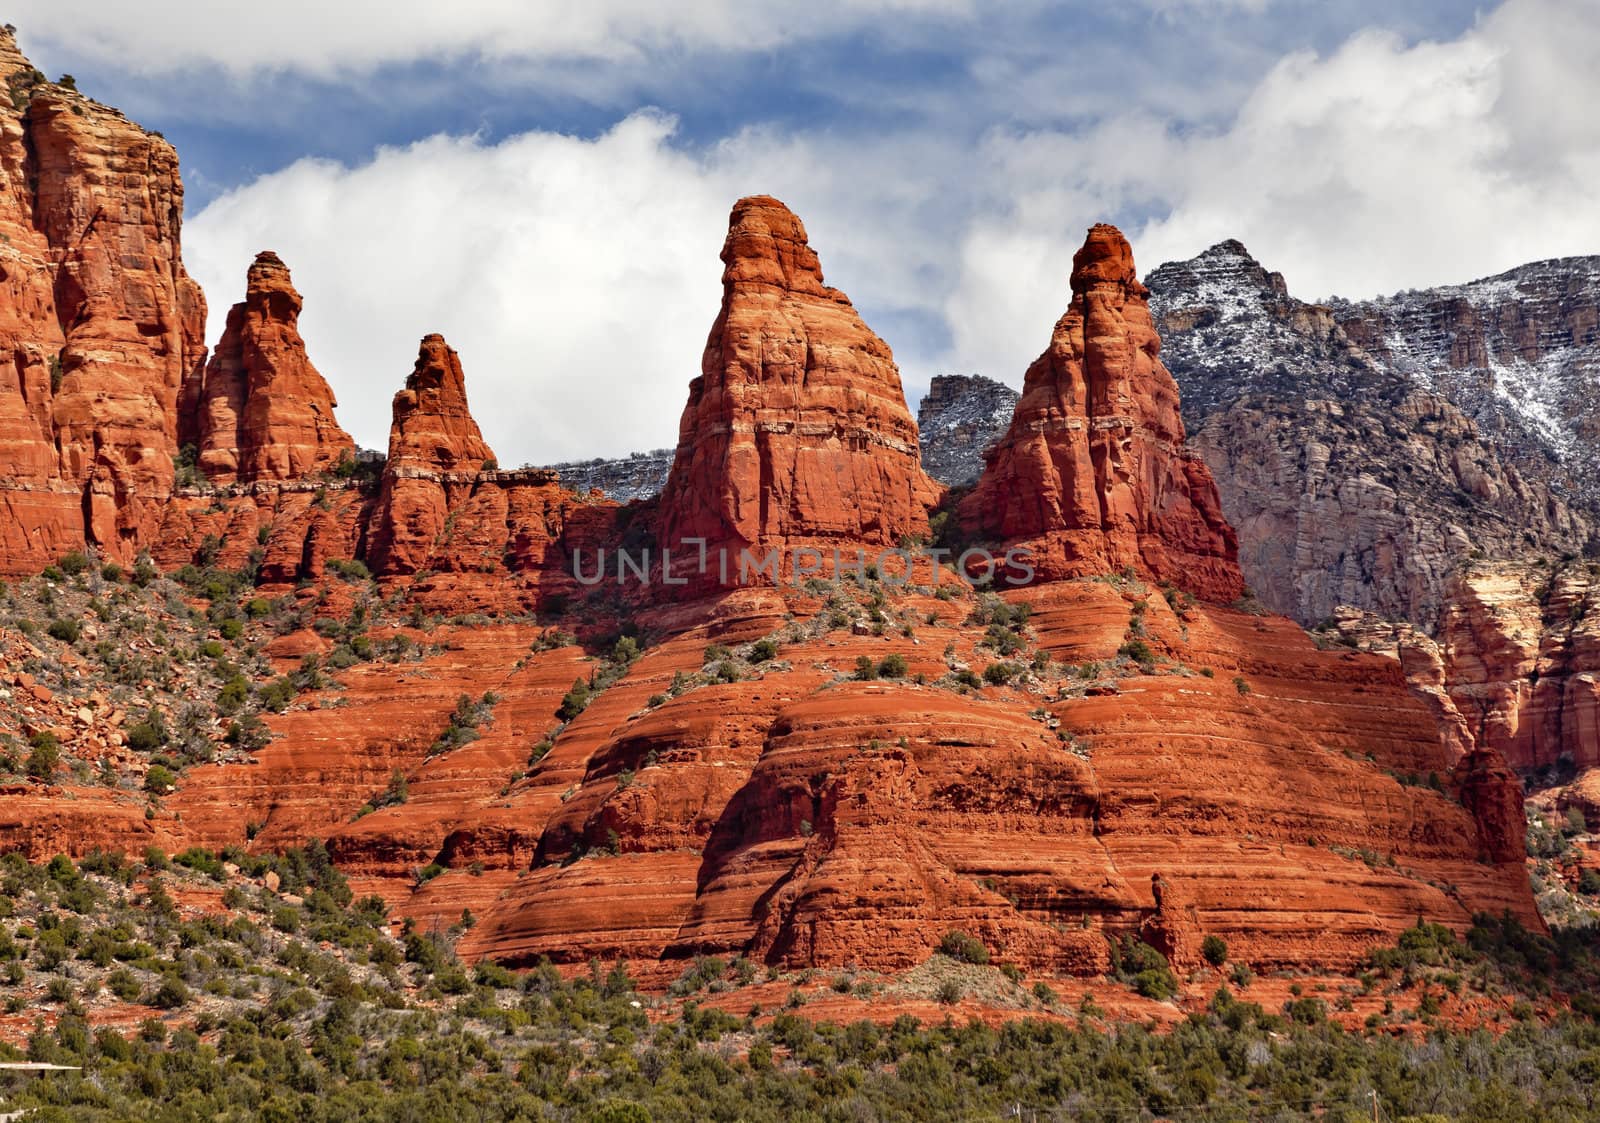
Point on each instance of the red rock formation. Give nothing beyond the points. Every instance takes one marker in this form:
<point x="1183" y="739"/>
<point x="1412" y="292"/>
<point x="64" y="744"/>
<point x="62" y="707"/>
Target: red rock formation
<point x="435" y="455"/>
<point x="99" y="323"/>
<point x="797" y="429"/>
<point x="1092" y="475"/>
<point x="1522" y="651"/>
<point x="805" y="820"/>
<point x="262" y="411"/>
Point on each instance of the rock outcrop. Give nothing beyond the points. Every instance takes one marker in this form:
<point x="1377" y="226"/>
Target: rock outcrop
<point x="1518" y="352"/>
<point x="101" y="325"/>
<point x="261" y="411"/>
<point x="959" y="419"/>
<point x="797" y="430"/>
<point x="435" y="455"/>
<point x="1092" y="476"/>
<point x="1351" y="480"/>
<point x="1522" y="652"/>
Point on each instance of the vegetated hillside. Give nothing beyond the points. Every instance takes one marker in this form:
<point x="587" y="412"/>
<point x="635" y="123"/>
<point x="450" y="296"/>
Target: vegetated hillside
<point x="263" y="987"/>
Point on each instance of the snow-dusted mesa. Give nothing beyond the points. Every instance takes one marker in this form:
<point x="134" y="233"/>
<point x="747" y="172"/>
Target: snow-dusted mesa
<point x="1364" y="451"/>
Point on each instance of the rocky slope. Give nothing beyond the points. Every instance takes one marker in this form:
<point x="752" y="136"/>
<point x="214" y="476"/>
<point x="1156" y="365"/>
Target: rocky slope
<point x="1092" y="475"/>
<point x="959" y="419"/>
<point x="1519" y="353"/>
<point x="639" y="475"/>
<point x="1351" y="480"/>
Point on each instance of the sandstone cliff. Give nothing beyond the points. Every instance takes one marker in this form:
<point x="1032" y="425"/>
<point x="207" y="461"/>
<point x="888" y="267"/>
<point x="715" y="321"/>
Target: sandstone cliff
<point x="1092" y="474"/>
<point x="100" y="322"/>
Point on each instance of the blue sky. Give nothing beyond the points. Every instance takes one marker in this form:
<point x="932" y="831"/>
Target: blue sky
<point x="547" y="183"/>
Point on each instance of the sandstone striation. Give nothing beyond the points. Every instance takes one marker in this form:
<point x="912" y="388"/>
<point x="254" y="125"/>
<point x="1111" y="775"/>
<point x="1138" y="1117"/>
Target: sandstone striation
<point x="261" y="411"/>
<point x="1522" y="647"/>
<point x="1092" y="474"/>
<point x="100" y="323"/>
<point x="435" y="455"/>
<point x="797" y="430"/>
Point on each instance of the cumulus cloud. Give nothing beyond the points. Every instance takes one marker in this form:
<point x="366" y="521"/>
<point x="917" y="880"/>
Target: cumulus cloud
<point x="1382" y="165"/>
<point x="323" y="39"/>
<point x="578" y="276"/>
<point x="572" y="275"/>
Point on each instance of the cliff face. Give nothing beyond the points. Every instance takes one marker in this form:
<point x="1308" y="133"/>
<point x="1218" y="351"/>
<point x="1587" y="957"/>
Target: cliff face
<point x="1522" y="648"/>
<point x="960" y="419"/>
<point x="1351" y="479"/>
<point x="101" y="323"/>
<point x="261" y="410"/>
<point x="1092" y="474"/>
<point x="797" y="429"/>
<point x="1519" y="353"/>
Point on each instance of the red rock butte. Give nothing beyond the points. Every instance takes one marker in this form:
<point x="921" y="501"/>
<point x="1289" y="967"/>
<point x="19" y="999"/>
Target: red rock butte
<point x="797" y="430"/>
<point x="1092" y="475"/>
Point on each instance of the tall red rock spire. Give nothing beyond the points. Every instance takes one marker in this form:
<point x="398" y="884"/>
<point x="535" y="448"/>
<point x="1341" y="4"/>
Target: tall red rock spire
<point x="262" y="411"/>
<point x="435" y="454"/>
<point x="797" y="429"/>
<point x="1092" y="474"/>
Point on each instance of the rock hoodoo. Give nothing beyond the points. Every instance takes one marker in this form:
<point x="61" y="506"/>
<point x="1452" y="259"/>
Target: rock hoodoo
<point x="1092" y="475"/>
<point x="797" y="430"/>
<point x="435" y="454"/>
<point x="262" y="411"/>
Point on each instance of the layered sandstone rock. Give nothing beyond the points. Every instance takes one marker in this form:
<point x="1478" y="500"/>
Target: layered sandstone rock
<point x="1092" y="475"/>
<point x="262" y="412"/>
<point x="797" y="430"/>
<point x="805" y="820"/>
<point x="435" y="455"/>
<point x="99" y="323"/>
<point x="1522" y="645"/>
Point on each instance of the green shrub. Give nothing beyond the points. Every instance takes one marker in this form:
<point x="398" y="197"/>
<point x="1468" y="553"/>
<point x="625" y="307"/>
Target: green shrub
<point x="1139" y="651"/>
<point x="998" y="674"/>
<point x="73" y="564"/>
<point x="1215" y="950"/>
<point x="45" y="755"/>
<point x="892" y="666"/>
<point x="575" y="701"/>
<point x="67" y="631"/>
<point x="159" y="779"/>
<point x="964" y="948"/>
<point x="763" y="650"/>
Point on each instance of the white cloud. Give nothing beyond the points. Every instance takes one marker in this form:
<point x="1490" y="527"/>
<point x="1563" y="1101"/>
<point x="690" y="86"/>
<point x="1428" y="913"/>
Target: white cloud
<point x="1381" y="166"/>
<point x="578" y="277"/>
<point x="572" y="275"/>
<point x="327" y="38"/>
